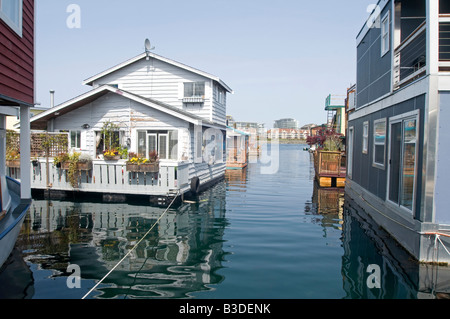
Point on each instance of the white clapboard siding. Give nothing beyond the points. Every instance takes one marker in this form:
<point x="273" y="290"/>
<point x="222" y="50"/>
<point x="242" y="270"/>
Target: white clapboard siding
<point x="163" y="82"/>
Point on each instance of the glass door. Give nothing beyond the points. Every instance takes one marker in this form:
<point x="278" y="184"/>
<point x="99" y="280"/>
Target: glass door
<point x="402" y="162"/>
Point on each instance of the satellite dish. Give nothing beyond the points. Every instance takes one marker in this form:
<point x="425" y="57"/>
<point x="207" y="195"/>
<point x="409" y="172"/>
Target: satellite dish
<point x="147" y="45"/>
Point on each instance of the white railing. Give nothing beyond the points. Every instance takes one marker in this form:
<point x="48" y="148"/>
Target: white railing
<point x="112" y="177"/>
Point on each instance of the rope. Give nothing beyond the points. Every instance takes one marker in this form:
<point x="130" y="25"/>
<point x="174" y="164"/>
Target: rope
<point x="135" y="246"/>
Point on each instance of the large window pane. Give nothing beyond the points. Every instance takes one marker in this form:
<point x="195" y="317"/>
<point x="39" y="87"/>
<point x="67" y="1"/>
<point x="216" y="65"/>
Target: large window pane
<point x="409" y="160"/>
<point x="11" y="9"/>
<point x="379" y="142"/>
<point x="173" y="145"/>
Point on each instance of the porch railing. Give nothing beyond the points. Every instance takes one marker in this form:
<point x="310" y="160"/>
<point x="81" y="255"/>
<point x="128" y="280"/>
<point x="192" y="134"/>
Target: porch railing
<point x="110" y="177"/>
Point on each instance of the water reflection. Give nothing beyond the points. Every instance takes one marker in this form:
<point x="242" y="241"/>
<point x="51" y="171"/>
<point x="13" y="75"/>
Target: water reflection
<point x="267" y="236"/>
<point x="179" y="256"/>
<point x="399" y="276"/>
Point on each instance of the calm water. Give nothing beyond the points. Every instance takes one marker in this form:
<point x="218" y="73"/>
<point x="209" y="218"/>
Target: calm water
<point x="252" y="235"/>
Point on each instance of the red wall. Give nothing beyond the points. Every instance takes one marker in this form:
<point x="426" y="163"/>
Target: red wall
<point x="17" y="58"/>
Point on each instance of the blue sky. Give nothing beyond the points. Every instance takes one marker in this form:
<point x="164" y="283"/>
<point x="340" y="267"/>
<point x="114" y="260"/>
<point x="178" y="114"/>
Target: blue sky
<point x="281" y="58"/>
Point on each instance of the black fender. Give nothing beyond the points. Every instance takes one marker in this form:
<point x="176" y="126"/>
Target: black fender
<point x="195" y="185"/>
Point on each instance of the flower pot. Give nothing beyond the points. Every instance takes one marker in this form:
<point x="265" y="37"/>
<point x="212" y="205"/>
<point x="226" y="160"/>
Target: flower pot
<point x="111" y="158"/>
<point x="84" y="166"/>
<point x="132" y="167"/>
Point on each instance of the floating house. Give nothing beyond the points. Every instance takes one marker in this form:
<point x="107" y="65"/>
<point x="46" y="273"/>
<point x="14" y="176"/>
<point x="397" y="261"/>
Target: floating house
<point x="148" y="106"/>
<point x="398" y="137"/>
<point x="16" y="99"/>
<point x="237" y="148"/>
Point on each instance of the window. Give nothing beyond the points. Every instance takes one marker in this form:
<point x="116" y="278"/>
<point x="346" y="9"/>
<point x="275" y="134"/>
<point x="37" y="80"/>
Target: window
<point x="365" y="145"/>
<point x="194" y="89"/>
<point x="164" y="142"/>
<point x="75" y="139"/>
<point x="379" y="143"/>
<point x="385" y="38"/>
<point x="111" y="142"/>
<point x="350" y="152"/>
<point x="11" y="13"/>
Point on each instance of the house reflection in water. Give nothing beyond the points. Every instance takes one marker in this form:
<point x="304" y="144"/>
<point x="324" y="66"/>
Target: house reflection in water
<point x="398" y="274"/>
<point x="180" y="255"/>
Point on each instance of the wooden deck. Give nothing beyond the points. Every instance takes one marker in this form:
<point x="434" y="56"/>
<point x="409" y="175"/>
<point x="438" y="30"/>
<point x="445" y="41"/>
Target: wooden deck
<point x="330" y="168"/>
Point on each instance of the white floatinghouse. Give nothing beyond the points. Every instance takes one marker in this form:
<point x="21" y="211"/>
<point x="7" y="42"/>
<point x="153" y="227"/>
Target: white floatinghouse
<point x="154" y="104"/>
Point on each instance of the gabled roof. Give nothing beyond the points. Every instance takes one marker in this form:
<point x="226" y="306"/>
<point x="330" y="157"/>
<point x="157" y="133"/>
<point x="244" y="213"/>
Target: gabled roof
<point x="40" y="121"/>
<point x="91" y="80"/>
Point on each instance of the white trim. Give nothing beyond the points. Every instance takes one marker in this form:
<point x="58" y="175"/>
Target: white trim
<point x="365" y="149"/>
<point x="386" y="18"/>
<point x="374" y="163"/>
<point x="122" y="93"/>
<point x="17" y="28"/>
<point x="351" y="151"/>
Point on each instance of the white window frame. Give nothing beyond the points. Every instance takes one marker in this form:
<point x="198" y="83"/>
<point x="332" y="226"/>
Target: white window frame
<point x="194" y="89"/>
<point x="375" y="144"/>
<point x="413" y="115"/>
<point x="350" y="151"/>
<point x="385" y="34"/>
<point x="15" y="26"/>
<point x="77" y="140"/>
<point x="365" y="141"/>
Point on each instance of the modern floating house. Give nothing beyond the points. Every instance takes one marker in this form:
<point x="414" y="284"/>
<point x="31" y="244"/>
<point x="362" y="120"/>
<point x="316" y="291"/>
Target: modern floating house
<point x="151" y="104"/>
<point x="398" y="134"/>
<point x="16" y="99"/>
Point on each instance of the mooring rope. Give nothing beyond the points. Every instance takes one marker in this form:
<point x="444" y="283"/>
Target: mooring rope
<point x="135" y="246"/>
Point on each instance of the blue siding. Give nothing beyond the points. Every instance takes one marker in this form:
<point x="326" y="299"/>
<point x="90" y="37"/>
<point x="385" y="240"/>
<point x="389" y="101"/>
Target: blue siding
<point x="365" y="174"/>
<point x="373" y="78"/>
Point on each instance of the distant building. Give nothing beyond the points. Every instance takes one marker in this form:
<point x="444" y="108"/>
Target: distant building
<point x="289" y="134"/>
<point x="286" y="123"/>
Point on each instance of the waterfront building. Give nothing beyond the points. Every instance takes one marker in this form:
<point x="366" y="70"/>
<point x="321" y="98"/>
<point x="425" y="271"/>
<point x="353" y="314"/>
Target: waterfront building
<point x="154" y="104"/>
<point x="286" y="123"/>
<point x="398" y="137"/>
<point x="17" y="27"/>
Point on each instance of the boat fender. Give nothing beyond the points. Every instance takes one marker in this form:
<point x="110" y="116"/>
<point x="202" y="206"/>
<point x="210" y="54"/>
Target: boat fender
<point x="195" y="185"/>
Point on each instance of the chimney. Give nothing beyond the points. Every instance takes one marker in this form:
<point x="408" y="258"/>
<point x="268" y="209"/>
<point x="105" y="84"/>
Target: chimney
<point x="52" y="99"/>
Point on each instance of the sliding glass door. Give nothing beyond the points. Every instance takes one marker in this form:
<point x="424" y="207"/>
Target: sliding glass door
<point x="403" y="161"/>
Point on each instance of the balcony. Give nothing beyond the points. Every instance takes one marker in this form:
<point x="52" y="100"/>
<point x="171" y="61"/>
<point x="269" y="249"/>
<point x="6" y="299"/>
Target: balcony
<point x="444" y="43"/>
<point x="410" y="58"/>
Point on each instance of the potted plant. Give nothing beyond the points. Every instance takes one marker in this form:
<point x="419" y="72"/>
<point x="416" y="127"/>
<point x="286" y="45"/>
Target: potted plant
<point x="110" y="155"/>
<point x="152" y="165"/>
<point x="84" y="162"/>
<point x="133" y="162"/>
<point x="61" y="161"/>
